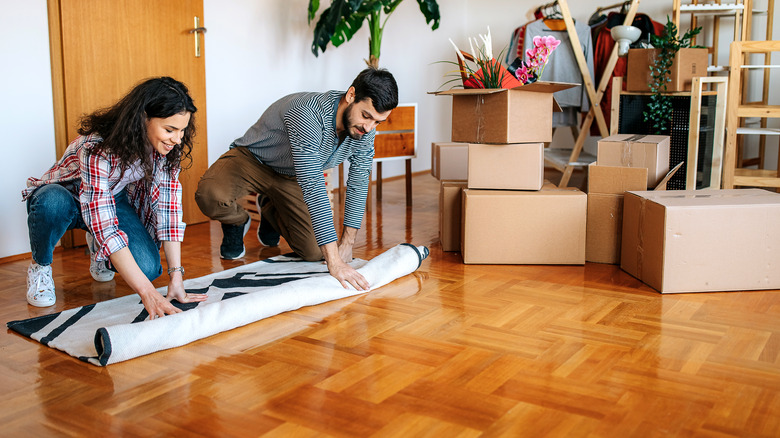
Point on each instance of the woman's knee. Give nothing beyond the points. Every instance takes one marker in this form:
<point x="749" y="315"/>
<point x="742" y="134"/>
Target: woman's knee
<point x="149" y="263"/>
<point x="51" y="200"/>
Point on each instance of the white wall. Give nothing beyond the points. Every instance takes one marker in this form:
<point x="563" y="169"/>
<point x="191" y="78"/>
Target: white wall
<point x="256" y="51"/>
<point x="26" y="113"/>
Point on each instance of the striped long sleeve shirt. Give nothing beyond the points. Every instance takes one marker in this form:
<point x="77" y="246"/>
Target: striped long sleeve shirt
<point x="296" y="136"/>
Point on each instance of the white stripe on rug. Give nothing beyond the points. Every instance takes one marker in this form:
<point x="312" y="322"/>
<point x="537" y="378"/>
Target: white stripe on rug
<point x="117" y="330"/>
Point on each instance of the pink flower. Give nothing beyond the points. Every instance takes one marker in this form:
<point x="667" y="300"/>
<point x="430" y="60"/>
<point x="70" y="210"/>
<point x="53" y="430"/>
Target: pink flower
<point x="522" y="74"/>
<point x="537" y="58"/>
<point x="548" y="42"/>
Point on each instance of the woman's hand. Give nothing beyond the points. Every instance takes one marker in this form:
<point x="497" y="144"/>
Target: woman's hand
<point x="156" y="304"/>
<point x="177" y="292"/>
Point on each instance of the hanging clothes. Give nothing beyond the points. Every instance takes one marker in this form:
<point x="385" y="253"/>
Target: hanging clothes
<point x="603" y="50"/>
<point x="562" y="67"/>
<point x="518" y="37"/>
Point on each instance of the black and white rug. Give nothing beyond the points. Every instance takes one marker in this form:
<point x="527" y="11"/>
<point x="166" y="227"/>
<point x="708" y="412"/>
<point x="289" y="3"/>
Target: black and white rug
<point x="120" y="329"/>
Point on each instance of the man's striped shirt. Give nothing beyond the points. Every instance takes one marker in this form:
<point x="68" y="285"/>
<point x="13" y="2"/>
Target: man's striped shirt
<point x="296" y="136"/>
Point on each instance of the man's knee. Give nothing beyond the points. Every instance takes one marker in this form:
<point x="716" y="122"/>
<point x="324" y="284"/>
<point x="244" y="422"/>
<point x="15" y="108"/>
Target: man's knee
<point x="309" y="253"/>
<point x="211" y="197"/>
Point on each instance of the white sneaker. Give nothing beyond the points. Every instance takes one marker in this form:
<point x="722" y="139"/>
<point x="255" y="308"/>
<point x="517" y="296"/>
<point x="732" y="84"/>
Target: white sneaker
<point x="40" y="286"/>
<point x="98" y="270"/>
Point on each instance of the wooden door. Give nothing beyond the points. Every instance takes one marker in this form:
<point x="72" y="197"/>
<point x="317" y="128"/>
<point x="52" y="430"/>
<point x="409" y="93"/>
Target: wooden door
<point x="101" y="49"/>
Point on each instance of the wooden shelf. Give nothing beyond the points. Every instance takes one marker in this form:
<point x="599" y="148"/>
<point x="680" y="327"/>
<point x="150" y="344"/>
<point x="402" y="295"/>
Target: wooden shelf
<point x="712" y="9"/>
<point x="735" y="173"/>
<point x="758" y="131"/>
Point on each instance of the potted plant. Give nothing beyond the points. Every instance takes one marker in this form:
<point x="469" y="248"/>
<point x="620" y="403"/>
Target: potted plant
<point x="659" y="110"/>
<point x="339" y="22"/>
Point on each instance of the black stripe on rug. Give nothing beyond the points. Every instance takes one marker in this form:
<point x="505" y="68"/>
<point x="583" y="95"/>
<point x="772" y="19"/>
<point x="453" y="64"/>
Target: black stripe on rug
<point x="64" y="326"/>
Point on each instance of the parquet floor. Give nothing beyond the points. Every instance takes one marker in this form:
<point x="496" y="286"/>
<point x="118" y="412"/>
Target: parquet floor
<point x="449" y="351"/>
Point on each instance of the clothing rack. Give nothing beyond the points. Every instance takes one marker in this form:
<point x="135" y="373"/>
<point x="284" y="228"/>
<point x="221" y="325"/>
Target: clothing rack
<point x="550" y="10"/>
<point x="594" y="94"/>
<point x="622" y="5"/>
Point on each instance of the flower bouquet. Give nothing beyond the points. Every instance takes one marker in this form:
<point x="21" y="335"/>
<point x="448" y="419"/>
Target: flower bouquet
<point x="531" y="70"/>
<point x="482" y="70"/>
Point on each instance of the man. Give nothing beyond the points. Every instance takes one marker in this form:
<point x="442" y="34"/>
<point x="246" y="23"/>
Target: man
<point x="282" y="157"/>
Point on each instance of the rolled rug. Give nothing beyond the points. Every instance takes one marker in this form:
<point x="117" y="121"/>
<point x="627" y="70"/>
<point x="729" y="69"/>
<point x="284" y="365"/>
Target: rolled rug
<point x="119" y="329"/>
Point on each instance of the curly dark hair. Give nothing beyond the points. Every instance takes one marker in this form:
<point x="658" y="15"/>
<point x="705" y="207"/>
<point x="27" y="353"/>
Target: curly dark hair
<point x="123" y="125"/>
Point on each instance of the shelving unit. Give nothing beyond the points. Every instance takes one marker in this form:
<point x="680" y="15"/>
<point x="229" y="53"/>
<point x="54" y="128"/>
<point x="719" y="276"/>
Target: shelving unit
<point x="717" y="10"/>
<point x="743" y="12"/>
<point x="735" y="174"/>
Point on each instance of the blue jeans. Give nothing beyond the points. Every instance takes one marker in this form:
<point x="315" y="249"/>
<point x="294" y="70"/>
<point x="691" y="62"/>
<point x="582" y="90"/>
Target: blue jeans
<point x="52" y="210"/>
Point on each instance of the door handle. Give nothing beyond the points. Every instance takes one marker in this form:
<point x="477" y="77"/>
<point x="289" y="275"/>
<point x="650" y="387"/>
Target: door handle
<point x="197" y="31"/>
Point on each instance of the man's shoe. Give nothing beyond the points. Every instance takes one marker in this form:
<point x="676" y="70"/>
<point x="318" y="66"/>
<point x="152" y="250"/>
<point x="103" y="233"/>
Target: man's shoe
<point x="233" y="240"/>
<point x="40" y="286"/>
<point x="98" y="270"/>
<point x="266" y="234"/>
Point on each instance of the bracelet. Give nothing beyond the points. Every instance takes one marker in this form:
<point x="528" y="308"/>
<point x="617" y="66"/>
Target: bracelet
<point x="177" y="268"/>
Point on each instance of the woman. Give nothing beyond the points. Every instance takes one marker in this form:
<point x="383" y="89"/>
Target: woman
<point x="119" y="181"/>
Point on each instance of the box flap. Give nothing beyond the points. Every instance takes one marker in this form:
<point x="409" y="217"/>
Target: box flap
<point x="710" y="197"/>
<point x="662" y="184"/>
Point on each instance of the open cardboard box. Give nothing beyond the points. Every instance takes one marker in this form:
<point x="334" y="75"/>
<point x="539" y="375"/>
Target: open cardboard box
<point x="499" y="115"/>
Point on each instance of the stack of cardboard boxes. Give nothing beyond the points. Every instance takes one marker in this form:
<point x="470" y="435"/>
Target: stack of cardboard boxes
<point x="624" y="162"/>
<point x="682" y="240"/>
<point x="497" y="208"/>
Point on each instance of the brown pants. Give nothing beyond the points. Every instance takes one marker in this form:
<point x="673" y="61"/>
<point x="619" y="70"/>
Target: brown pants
<point x="238" y="173"/>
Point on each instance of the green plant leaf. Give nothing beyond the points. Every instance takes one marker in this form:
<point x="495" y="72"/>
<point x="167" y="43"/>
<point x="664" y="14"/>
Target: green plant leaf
<point x="343" y="18"/>
<point x="330" y="20"/>
<point x="388" y="6"/>
<point x="430" y="9"/>
<point x="313" y="6"/>
<point x="347" y="28"/>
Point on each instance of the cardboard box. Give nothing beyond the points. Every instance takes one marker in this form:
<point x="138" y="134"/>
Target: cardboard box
<point x="688" y="63"/>
<point x="704" y="240"/>
<point x="449" y="161"/>
<point x="524" y="227"/>
<point x="615" y="180"/>
<point x="450" y="214"/>
<point x="606" y="185"/>
<point x="518" y="166"/>
<point x="498" y="115"/>
<point x="629" y="150"/>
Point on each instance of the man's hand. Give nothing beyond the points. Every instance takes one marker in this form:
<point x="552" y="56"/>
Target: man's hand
<point x="339" y="269"/>
<point x="345" y="252"/>
<point x="347" y="242"/>
<point x="347" y="275"/>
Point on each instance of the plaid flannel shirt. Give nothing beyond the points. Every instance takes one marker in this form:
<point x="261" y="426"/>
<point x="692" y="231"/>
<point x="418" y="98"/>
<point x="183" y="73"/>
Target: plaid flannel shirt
<point x="91" y="177"/>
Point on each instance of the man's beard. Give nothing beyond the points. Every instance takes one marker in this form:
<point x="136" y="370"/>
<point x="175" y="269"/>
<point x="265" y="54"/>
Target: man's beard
<point x="348" y="125"/>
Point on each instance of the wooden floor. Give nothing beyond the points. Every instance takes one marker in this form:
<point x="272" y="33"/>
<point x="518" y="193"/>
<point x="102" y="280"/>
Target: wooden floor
<point x="449" y="351"/>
